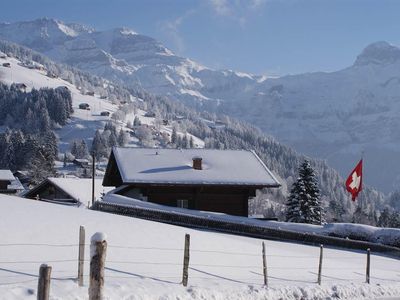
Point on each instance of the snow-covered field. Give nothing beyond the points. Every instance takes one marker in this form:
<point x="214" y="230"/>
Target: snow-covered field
<point x="144" y="260"/>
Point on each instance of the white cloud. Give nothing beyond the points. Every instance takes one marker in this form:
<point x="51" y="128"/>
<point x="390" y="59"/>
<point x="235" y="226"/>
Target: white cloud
<point x="171" y="29"/>
<point x="238" y="10"/>
<point x="221" y="7"/>
<point x="254" y="4"/>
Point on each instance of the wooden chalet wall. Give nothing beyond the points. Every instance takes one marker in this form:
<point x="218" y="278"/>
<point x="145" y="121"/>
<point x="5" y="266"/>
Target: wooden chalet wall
<point x="4" y="184"/>
<point x="231" y="200"/>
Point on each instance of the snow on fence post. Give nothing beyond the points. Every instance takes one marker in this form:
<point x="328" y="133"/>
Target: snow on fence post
<point x="321" y="252"/>
<point x="44" y="282"/>
<point x="264" y="265"/>
<point x="81" y="254"/>
<point x="367" y="274"/>
<point x="98" y="249"/>
<point x="185" y="274"/>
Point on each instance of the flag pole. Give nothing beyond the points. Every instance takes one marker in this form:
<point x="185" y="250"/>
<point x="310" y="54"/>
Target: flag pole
<point x="362" y="191"/>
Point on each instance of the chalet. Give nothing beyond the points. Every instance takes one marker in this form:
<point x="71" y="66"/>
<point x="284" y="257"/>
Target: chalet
<point x="51" y="74"/>
<point x="84" y="106"/>
<point x="8" y="183"/>
<point x="21" y="86"/>
<point x="7" y="65"/>
<point x="150" y="114"/>
<point x="69" y="191"/>
<point x="200" y="179"/>
<point x="81" y="162"/>
<point x="90" y="93"/>
<point x="105" y="113"/>
<point x="63" y="88"/>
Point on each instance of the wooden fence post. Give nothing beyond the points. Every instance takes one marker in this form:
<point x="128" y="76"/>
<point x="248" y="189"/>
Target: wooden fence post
<point x="44" y="282"/>
<point x="98" y="249"/>
<point x="264" y="265"/>
<point x="321" y="252"/>
<point x="81" y="255"/>
<point x="186" y="254"/>
<point x="367" y="273"/>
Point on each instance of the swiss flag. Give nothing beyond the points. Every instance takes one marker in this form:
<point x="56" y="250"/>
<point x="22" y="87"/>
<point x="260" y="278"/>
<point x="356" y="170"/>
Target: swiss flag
<point x="354" y="182"/>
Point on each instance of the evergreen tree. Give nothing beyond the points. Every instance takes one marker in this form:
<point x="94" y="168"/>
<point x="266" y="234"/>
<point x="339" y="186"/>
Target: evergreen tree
<point x="112" y="140"/>
<point x="136" y="121"/>
<point x="83" y="149"/>
<point x="191" y="143"/>
<point x="74" y="148"/>
<point x="185" y="142"/>
<point x="122" y="138"/>
<point x="384" y="218"/>
<point x="174" y="136"/>
<point x="303" y="204"/>
<point x="99" y="146"/>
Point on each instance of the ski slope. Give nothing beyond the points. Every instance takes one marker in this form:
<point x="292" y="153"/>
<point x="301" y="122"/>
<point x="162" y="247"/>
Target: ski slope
<point x="144" y="260"/>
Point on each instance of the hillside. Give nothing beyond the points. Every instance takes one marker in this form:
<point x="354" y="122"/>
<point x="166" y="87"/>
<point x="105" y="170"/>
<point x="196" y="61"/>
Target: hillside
<point x="333" y="116"/>
<point x="144" y="259"/>
<point x="202" y="127"/>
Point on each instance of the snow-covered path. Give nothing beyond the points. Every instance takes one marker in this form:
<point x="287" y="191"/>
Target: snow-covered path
<point x="144" y="260"/>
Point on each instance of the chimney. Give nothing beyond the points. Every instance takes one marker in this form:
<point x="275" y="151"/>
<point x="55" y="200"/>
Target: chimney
<point x="197" y="163"/>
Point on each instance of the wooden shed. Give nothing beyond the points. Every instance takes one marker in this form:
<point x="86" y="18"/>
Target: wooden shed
<point x="69" y="191"/>
<point x="6" y="178"/>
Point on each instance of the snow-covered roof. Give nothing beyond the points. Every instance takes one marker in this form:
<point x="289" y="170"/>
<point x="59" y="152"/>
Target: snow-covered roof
<point x="6" y="175"/>
<point x="80" y="189"/>
<point x="174" y="166"/>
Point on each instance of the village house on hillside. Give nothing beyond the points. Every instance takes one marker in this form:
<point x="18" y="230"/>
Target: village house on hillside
<point x="69" y="191"/>
<point x="200" y="179"/>
<point x="9" y="184"/>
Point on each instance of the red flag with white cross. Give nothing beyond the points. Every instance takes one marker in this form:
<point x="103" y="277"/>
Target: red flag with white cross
<point x="354" y="181"/>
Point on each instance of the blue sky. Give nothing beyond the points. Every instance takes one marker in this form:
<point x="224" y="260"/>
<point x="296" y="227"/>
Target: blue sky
<point x="258" y="36"/>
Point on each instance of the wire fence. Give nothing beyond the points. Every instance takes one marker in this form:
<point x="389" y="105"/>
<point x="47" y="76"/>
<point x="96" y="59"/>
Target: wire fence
<point x="166" y="263"/>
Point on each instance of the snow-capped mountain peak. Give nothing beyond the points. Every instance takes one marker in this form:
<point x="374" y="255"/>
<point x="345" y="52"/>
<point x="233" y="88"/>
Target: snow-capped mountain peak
<point x="378" y="53"/>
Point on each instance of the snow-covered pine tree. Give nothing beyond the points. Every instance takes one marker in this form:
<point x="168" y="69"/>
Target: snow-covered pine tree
<point x="191" y="143"/>
<point x="99" y="146"/>
<point x="136" y="121"/>
<point x="293" y="211"/>
<point x="303" y="204"/>
<point x="174" y="135"/>
<point x="122" y="138"/>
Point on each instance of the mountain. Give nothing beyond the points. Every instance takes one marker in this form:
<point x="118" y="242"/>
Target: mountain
<point x="31" y="68"/>
<point x="333" y="116"/>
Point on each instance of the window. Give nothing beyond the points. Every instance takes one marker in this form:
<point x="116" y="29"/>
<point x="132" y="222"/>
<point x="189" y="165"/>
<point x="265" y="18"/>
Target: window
<point x="183" y="203"/>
